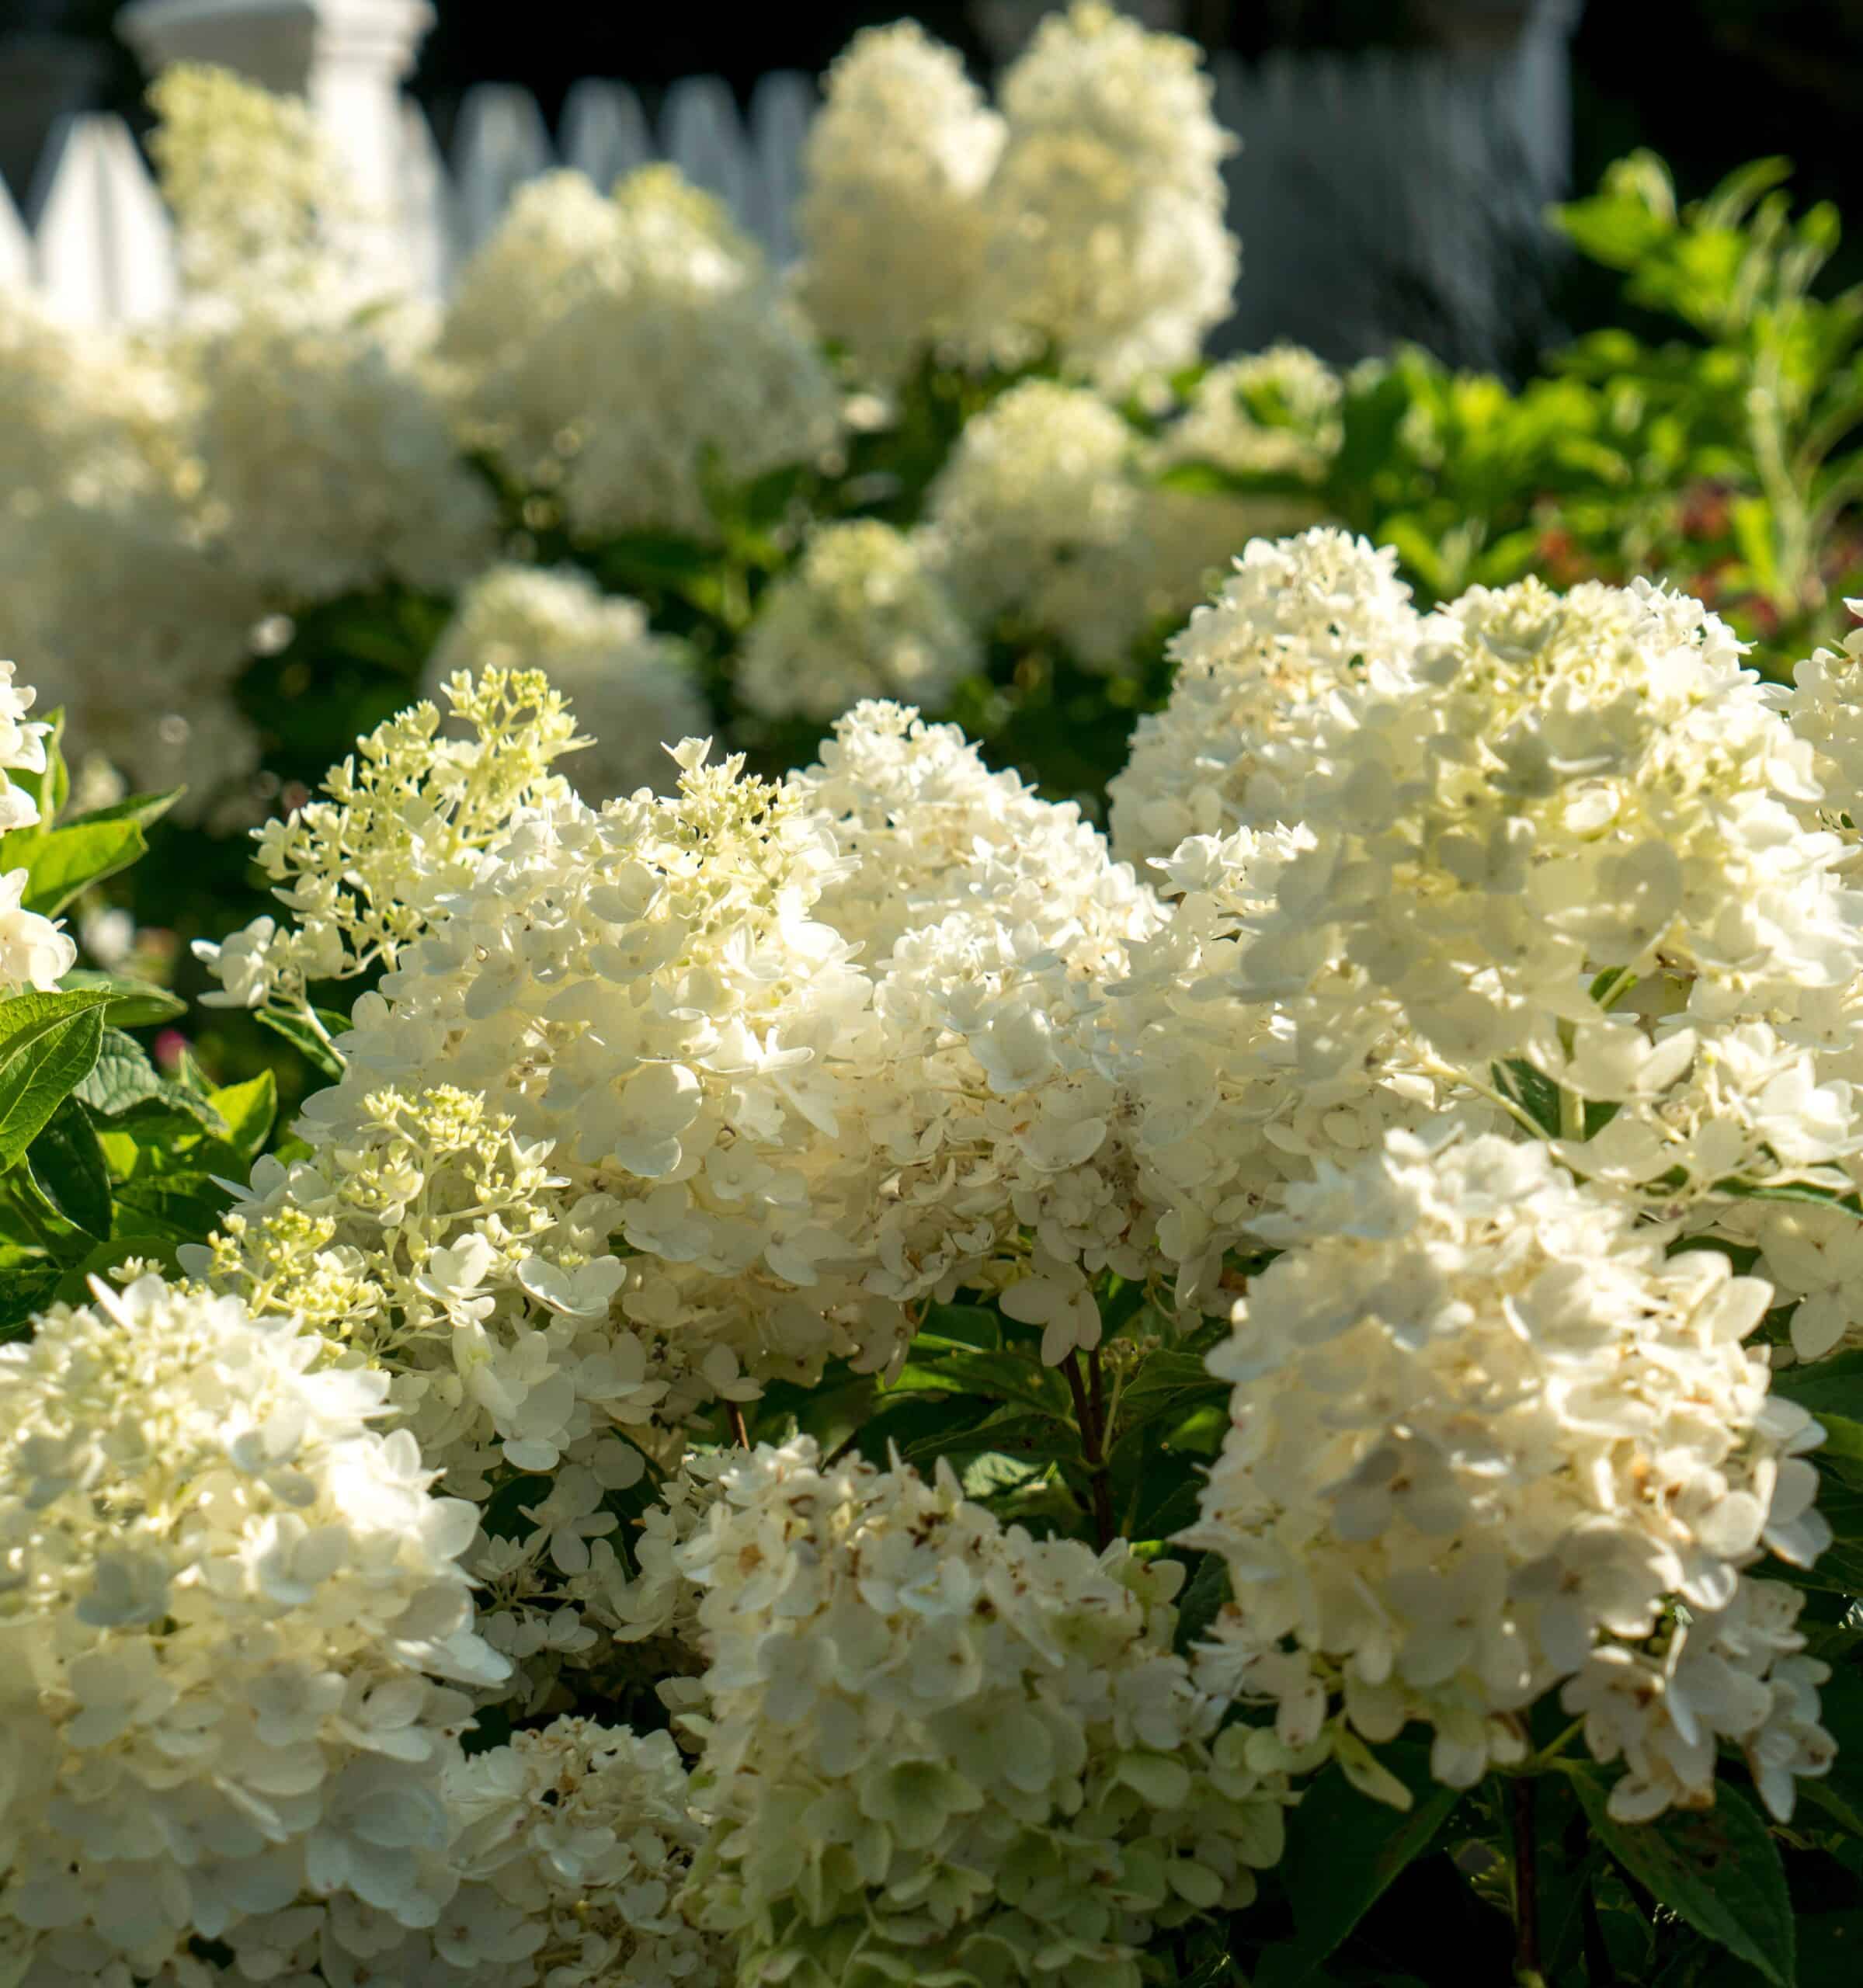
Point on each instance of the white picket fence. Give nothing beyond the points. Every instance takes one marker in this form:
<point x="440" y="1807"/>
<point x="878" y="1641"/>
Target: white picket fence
<point x="1353" y="172"/>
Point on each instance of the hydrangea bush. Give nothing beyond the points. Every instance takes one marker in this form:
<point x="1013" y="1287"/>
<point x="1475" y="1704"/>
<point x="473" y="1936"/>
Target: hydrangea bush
<point x="800" y="1364"/>
<point x="843" y="1385"/>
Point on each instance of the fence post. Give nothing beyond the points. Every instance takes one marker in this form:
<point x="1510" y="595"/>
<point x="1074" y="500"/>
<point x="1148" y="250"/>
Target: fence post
<point x="101" y="239"/>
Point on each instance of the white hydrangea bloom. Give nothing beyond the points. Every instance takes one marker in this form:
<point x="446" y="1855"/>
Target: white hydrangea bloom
<point x="21" y="750"/>
<point x="1271" y="414"/>
<point x="1824" y="707"/>
<point x="1294" y="622"/>
<point x="635" y="691"/>
<point x="334" y="462"/>
<point x="437" y="1246"/>
<point x="1225" y="1109"/>
<point x="1040" y="517"/>
<point x="1010" y="1167"/>
<point x="1737" y="1673"/>
<point x="364" y="872"/>
<point x="948" y="1744"/>
<point x="135" y="626"/>
<point x="649" y="989"/>
<point x="572" y="1844"/>
<point x="1105" y="211"/>
<point x="932" y="831"/>
<point x="34" y="951"/>
<point x="1484" y="1433"/>
<point x="673" y="343"/>
<point x="252" y="183"/>
<point x="1568" y="834"/>
<point x="89" y="413"/>
<point x="891" y="219"/>
<point x="863" y="614"/>
<point x="229" y="1596"/>
<point x="546" y="250"/>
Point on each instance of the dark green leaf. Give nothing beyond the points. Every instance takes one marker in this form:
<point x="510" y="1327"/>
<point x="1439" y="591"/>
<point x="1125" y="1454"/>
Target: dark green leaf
<point x="943" y="1366"/>
<point x="178" y="1207"/>
<point x="1344" y="1851"/>
<point x="25" y="1288"/>
<point x="132" y="1003"/>
<point x="106" y="1258"/>
<point x="1203" y="1596"/>
<point x="1718" y="1868"/>
<point x="67" y="1165"/>
<point x="38" y="1072"/>
<point x="1835" y="1385"/>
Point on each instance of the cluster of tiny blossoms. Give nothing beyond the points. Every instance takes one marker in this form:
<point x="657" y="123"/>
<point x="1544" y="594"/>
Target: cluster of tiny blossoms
<point x="635" y="691"/>
<point x="364" y="872"/>
<point x="863" y="614"/>
<point x="1106" y="242"/>
<point x="1485" y="1434"/>
<point x="1041" y="519"/>
<point x="891" y="216"/>
<point x="1291" y="624"/>
<point x="570" y="1847"/>
<point x="1562" y="853"/>
<point x="663" y="351"/>
<point x="250" y="179"/>
<point x="1084" y="220"/>
<point x="34" y="951"/>
<point x="649" y="990"/>
<point x="932" y="1743"/>
<point x="436" y="1246"/>
<point x="227" y="1599"/>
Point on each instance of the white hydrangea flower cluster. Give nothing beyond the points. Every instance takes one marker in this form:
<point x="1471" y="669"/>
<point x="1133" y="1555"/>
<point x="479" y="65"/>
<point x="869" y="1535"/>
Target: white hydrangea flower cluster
<point x="254" y="189"/>
<point x="437" y="1247"/>
<point x="114" y="580"/>
<point x="653" y="350"/>
<point x="650" y="990"/>
<point x="1569" y="835"/>
<point x="1485" y="1435"/>
<point x="545" y="252"/>
<point x="1273" y="414"/>
<point x="931" y="830"/>
<point x="637" y="691"/>
<point x="1225" y="1109"/>
<point x="891" y="219"/>
<point x="331" y="461"/>
<point x="34" y="951"/>
<point x="1294" y="622"/>
<point x="571" y="1846"/>
<point x="864" y="613"/>
<point x="1105" y="211"/>
<point x="137" y="627"/>
<point x="944" y="1745"/>
<point x="364" y="872"/>
<point x="1824" y="707"/>
<point x="992" y="921"/>
<point x="228" y="1597"/>
<point x="1041" y="518"/>
<point x="88" y="414"/>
